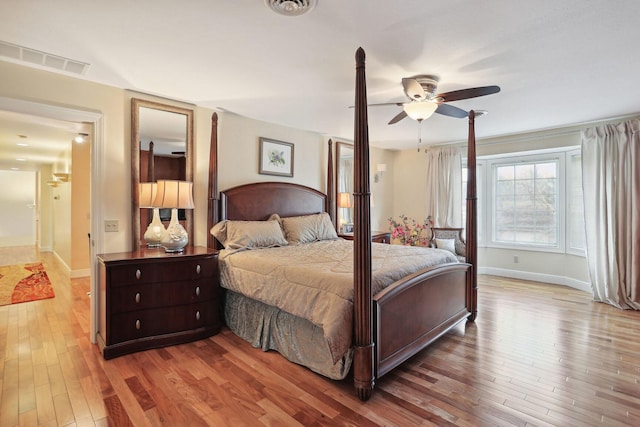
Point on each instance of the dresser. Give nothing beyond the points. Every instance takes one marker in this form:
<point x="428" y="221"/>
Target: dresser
<point x="376" y="236"/>
<point x="150" y="299"/>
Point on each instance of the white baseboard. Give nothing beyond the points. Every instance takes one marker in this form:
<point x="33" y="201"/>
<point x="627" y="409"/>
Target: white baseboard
<point x="80" y="273"/>
<point x="537" y="277"/>
<point x="64" y="264"/>
<point x="73" y="274"/>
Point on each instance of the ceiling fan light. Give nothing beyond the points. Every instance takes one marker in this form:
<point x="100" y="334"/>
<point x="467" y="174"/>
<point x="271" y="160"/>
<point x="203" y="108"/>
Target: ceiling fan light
<point x="420" y="110"/>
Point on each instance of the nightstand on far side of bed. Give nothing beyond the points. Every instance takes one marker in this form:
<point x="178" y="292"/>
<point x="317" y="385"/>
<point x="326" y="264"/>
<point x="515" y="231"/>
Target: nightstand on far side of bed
<point x="149" y="298"/>
<point x="376" y="236"/>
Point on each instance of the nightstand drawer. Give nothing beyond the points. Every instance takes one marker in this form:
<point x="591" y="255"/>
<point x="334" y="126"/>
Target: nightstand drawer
<point x="381" y="238"/>
<point x="155" y="295"/>
<point x="376" y="236"/>
<point x="153" y="322"/>
<point x="161" y="272"/>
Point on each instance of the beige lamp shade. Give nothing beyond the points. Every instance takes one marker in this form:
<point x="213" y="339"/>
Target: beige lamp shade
<point x="174" y="194"/>
<point x="420" y="110"/>
<point x="344" y="200"/>
<point x="147" y="194"/>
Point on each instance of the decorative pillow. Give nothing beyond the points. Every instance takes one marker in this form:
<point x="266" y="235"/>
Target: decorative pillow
<point x="249" y="234"/>
<point x="308" y="228"/>
<point x="448" y="244"/>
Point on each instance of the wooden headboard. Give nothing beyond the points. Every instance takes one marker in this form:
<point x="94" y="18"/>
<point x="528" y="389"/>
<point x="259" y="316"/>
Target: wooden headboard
<point x="258" y="201"/>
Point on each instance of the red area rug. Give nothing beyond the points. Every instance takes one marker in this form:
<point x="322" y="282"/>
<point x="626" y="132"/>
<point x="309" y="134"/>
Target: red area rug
<point x="24" y="282"/>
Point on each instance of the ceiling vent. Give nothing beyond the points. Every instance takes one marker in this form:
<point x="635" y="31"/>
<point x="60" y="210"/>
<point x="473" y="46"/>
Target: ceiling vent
<point x="291" y="7"/>
<point x="35" y="57"/>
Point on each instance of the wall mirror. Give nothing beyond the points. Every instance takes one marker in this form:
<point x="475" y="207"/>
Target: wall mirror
<point x="344" y="187"/>
<point x="161" y="148"/>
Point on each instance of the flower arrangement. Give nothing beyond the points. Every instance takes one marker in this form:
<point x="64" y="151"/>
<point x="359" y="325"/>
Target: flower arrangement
<point x="409" y="232"/>
<point x="276" y="158"/>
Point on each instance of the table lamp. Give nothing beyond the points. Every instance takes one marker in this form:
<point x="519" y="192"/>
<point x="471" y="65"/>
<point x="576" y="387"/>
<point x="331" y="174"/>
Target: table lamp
<point x="174" y="195"/>
<point x="146" y="196"/>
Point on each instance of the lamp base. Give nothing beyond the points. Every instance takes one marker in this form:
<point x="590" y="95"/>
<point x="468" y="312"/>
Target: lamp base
<point x="175" y="237"/>
<point x="155" y="231"/>
<point x="173" y="251"/>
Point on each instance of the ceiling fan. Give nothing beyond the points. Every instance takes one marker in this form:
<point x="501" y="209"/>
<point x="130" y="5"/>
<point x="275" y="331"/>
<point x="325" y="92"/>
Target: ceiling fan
<point x="423" y="100"/>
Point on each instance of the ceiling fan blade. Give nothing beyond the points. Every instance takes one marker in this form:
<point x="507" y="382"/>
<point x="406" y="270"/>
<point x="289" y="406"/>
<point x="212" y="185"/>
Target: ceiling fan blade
<point x="381" y="104"/>
<point x="413" y="89"/>
<point x="385" y="103"/>
<point x="401" y="115"/>
<point x="473" y="92"/>
<point x="451" y="111"/>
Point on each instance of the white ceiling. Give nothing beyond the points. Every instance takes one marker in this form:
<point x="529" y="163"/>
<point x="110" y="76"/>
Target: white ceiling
<point x="28" y="142"/>
<point x="558" y="62"/>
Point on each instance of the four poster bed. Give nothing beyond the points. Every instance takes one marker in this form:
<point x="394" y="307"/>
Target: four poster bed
<point x="357" y="314"/>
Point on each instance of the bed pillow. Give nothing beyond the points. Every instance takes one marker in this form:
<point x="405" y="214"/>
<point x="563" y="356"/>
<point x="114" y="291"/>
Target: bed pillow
<point x="308" y="228"/>
<point x="448" y="244"/>
<point x="249" y="234"/>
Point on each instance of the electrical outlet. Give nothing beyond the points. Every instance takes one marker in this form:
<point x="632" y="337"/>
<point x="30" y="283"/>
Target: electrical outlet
<point x="111" y="225"/>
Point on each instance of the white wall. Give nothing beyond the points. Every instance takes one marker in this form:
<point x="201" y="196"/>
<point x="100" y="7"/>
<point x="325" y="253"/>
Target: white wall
<point x="28" y="84"/>
<point x="238" y="148"/>
<point x="80" y="208"/>
<point x="382" y="191"/>
<point x="238" y="151"/>
<point x="45" y="211"/>
<point x="409" y="196"/>
<point x="410" y="185"/>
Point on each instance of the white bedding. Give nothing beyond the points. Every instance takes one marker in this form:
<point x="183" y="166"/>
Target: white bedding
<point x="315" y="280"/>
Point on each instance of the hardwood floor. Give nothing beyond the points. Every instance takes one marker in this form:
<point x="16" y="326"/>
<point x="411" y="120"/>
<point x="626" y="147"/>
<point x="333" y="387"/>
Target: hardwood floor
<point x="536" y="355"/>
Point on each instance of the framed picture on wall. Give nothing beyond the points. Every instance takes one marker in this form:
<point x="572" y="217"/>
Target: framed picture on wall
<point x="276" y="157"/>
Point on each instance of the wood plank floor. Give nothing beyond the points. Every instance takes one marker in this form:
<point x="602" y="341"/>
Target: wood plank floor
<point x="537" y="355"/>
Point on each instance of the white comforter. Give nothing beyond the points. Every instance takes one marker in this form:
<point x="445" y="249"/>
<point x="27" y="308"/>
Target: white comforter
<point x="315" y="280"/>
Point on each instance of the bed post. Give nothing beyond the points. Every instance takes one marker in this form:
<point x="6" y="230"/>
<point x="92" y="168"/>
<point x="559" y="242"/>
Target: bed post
<point x="212" y="198"/>
<point x="472" y="218"/>
<point x="363" y="375"/>
<point x="330" y="185"/>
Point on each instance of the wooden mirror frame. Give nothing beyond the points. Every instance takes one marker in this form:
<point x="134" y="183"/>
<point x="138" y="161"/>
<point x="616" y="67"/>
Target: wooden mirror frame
<point x="340" y="147"/>
<point x="136" y="104"/>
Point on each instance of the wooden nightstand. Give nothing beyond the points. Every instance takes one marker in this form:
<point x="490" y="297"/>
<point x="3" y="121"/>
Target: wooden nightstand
<point x="150" y="299"/>
<point x="376" y="236"/>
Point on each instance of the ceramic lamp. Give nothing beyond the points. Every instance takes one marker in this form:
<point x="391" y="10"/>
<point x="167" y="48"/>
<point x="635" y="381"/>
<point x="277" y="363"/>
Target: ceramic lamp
<point x="174" y="195"/>
<point x="146" y="198"/>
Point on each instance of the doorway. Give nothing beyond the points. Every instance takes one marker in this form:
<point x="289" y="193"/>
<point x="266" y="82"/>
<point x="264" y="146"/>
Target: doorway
<point x="95" y="121"/>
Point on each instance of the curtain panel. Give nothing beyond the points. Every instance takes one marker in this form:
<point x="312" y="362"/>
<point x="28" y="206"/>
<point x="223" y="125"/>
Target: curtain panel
<point x="611" y="188"/>
<point x="444" y="186"/>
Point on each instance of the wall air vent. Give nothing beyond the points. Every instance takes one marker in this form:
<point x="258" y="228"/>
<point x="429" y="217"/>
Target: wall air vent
<point x="28" y="56"/>
<point x="291" y="7"/>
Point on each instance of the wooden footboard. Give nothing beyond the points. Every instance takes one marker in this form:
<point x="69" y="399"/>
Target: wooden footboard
<point x="415" y="311"/>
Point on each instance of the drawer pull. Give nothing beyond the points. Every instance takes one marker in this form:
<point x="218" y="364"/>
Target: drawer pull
<point x="197" y="315"/>
<point x="138" y="324"/>
<point x="197" y="291"/>
<point x="137" y="297"/>
<point x="138" y="274"/>
<point x="198" y="269"/>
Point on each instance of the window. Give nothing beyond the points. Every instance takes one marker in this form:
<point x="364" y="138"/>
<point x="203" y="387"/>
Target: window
<point x="525" y="203"/>
<point x="530" y="201"/>
<point x="576" y="242"/>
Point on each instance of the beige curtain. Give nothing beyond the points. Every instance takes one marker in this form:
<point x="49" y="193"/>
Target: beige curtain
<point x="611" y="187"/>
<point x="444" y="186"/>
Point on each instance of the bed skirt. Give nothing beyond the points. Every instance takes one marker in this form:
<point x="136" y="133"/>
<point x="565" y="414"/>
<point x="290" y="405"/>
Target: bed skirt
<point x="295" y="338"/>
